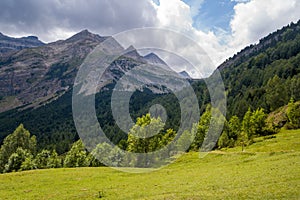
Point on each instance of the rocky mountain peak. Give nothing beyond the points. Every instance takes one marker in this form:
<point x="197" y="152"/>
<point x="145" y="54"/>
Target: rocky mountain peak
<point x="131" y="52"/>
<point x="10" y="44"/>
<point x="31" y="37"/>
<point x="85" y="35"/>
<point x="184" y="74"/>
<point x="154" y="59"/>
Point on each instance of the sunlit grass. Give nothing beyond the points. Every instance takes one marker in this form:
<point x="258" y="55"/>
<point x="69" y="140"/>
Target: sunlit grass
<point x="268" y="169"/>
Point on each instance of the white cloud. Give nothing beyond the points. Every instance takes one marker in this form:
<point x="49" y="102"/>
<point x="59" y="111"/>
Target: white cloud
<point x="256" y="19"/>
<point x="177" y="16"/>
<point x="252" y="20"/>
<point x="55" y="19"/>
<point x="240" y="1"/>
<point x="52" y="20"/>
<point x="174" y="14"/>
<point x="195" y="6"/>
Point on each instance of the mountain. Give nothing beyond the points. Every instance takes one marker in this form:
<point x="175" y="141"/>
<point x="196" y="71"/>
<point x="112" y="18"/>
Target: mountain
<point x="184" y="74"/>
<point x="265" y="75"/>
<point x="131" y="52"/>
<point x="32" y="76"/>
<point x="10" y="45"/>
<point x="152" y="58"/>
<point x="36" y="76"/>
<point x="38" y="81"/>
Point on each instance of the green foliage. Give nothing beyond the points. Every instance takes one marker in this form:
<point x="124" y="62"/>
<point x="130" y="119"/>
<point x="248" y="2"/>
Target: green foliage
<point x="254" y="123"/>
<point x="16" y="159"/>
<point x="258" y="123"/>
<point x="47" y="159"/>
<point x="140" y="136"/>
<point x="276" y="93"/>
<point x="230" y="133"/>
<point x="293" y="114"/>
<point x="29" y="163"/>
<point x="242" y="139"/>
<point x="105" y="153"/>
<point x="265" y="75"/>
<point x="224" y="140"/>
<point x="242" y="134"/>
<point x="77" y="156"/>
<point x="246" y="124"/>
<point x="266" y="170"/>
<point x="166" y="138"/>
<point x="146" y="136"/>
<point x="234" y="127"/>
<point x="20" y="138"/>
<point x="201" y="129"/>
<point x="185" y="140"/>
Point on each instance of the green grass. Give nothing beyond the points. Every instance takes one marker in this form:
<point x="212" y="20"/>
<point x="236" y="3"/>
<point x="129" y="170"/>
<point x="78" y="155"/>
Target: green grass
<point x="269" y="169"/>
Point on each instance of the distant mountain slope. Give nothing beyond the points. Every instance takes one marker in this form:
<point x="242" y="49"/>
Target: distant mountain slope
<point x="285" y="34"/>
<point x="36" y="86"/>
<point x="154" y="59"/>
<point x="9" y="44"/>
<point x="264" y="75"/>
<point x="36" y="75"/>
<point x="184" y="74"/>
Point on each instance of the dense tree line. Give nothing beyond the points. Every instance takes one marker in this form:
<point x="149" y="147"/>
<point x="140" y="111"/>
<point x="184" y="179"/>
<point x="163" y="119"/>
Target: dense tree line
<point x="18" y="151"/>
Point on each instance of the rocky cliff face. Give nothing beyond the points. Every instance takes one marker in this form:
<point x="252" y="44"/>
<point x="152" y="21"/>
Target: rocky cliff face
<point x="184" y="74"/>
<point x="10" y="45"/>
<point x="34" y="76"/>
<point x="152" y="58"/>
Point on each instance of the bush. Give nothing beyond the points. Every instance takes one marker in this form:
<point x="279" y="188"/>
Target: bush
<point x="16" y="159"/>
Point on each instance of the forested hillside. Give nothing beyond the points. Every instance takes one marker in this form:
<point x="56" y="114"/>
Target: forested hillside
<point x="264" y="76"/>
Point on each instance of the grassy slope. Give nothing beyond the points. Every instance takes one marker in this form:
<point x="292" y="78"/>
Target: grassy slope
<point x="269" y="169"/>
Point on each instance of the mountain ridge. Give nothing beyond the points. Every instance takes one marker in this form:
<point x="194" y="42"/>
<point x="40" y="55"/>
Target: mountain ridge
<point x="252" y="80"/>
<point x="34" y="76"/>
<point x="10" y="45"/>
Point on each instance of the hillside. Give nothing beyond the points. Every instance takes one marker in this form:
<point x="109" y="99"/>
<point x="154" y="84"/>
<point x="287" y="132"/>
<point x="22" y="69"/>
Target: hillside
<point x="33" y="76"/>
<point x="10" y="45"/>
<point x="265" y="75"/>
<point x="268" y="169"/>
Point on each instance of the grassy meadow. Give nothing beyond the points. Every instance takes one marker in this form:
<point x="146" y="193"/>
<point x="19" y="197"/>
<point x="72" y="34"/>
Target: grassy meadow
<point x="268" y="169"/>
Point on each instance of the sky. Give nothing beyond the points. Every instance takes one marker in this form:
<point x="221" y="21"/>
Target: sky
<point x="220" y="27"/>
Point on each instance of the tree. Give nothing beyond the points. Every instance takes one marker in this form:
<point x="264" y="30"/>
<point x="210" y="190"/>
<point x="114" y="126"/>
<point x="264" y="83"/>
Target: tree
<point x="234" y="126"/>
<point x="224" y="140"/>
<point x="47" y="159"/>
<point x="106" y="154"/>
<point x="202" y="128"/>
<point x="246" y="124"/>
<point x="77" y="156"/>
<point x="184" y="141"/>
<point x="16" y="159"/>
<point x="276" y="93"/>
<point x="293" y="114"/>
<point x="142" y="135"/>
<point x="20" y="138"/>
<point x="29" y="163"/>
<point x="254" y="123"/>
<point x="243" y="139"/>
<point x="295" y="88"/>
<point x="258" y="122"/>
<point x="167" y="137"/>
